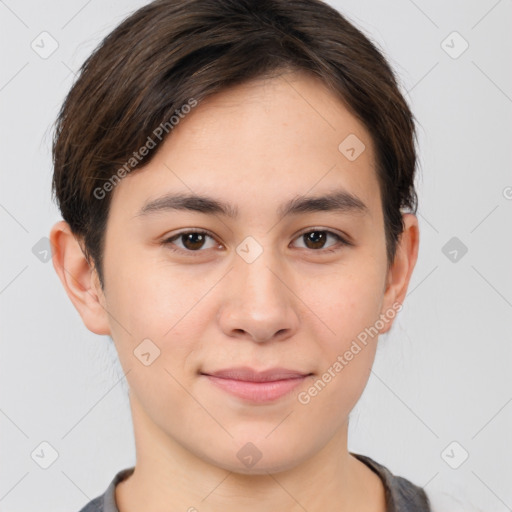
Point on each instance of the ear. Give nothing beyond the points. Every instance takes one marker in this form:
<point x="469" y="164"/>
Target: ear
<point x="79" y="279"/>
<point x="399" y="274"/>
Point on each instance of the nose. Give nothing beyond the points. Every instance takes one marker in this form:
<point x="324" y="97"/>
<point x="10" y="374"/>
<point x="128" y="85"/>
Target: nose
<point x="260" y="303"/>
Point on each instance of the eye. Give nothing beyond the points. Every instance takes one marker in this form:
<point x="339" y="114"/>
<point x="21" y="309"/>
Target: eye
<point x="195" y="241"/>
<point x="191" y="241"/>
<point x="316" y="239"/>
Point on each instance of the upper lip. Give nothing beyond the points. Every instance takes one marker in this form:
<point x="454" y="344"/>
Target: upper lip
<point x="248" y="374"/>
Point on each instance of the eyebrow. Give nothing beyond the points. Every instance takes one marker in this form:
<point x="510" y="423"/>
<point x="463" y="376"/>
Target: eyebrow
<point x="339" y="201"/>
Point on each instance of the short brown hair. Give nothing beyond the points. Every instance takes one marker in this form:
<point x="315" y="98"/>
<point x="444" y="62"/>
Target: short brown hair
<point x="172" y="50"/>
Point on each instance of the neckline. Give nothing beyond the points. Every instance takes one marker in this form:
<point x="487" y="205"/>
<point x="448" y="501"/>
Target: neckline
<point x="393" y="486"/>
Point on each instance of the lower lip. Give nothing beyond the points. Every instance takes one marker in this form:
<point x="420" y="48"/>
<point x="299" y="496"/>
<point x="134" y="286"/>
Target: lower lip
<point x="257" y="391"/>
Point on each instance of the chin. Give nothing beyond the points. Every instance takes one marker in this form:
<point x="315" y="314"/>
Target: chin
<point x="256" y="459"/>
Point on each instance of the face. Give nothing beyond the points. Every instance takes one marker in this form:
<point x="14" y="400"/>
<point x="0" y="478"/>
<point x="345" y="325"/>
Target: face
<point x="260" y="275"/>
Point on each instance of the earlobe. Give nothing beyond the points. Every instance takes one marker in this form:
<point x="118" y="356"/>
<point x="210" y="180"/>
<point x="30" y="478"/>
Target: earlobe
<point x="78" y="278"/>
<point x="400" y="272"/>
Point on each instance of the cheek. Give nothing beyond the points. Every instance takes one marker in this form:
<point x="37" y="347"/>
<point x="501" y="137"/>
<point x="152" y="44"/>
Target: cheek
<point x="156" y="321"/>
<point x="160" y="305"/>
<point x="347" y="304"/>
<point x="150" y="297"/>
<point x="349" y="308"/>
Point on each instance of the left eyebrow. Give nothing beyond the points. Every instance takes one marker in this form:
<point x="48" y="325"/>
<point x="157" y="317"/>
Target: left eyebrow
<point x="339" y="201"/>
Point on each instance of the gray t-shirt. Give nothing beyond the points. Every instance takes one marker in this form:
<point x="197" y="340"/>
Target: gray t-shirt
<point x="401" y="494"/>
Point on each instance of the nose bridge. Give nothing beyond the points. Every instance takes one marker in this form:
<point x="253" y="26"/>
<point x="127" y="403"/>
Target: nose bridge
<point x="259" y="304"/>
<point x="259" y="279"/>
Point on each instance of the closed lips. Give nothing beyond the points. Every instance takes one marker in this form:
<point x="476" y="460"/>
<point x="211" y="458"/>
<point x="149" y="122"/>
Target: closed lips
<point x="251" y="375"/>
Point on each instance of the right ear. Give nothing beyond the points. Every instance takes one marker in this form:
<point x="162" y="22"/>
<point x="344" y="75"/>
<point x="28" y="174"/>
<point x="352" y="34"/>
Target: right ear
<point x="79" y="279"/>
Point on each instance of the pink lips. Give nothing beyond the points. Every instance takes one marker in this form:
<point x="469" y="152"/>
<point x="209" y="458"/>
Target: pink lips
<point x="255" y="386"/>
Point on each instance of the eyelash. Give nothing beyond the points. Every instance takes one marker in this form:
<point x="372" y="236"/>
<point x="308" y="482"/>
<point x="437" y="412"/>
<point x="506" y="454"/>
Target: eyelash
<point x="341" y="241"/>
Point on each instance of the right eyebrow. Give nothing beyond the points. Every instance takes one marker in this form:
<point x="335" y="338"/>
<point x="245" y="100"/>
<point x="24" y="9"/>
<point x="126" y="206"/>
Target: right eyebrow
<point x="192" y="202"/>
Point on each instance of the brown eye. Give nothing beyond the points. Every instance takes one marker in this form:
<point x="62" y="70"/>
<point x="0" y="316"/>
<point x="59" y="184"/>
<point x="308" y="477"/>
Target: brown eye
<point x="316" y="240"/>
<point x="190" y="241"/>
<point x="193" y="241"/>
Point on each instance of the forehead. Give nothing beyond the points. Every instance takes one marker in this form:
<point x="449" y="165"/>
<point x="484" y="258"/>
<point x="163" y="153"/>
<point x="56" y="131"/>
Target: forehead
<point x="265" y="139"/>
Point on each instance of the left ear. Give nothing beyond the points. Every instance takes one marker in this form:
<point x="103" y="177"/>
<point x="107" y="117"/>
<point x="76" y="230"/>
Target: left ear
<point x="399" y="274"/>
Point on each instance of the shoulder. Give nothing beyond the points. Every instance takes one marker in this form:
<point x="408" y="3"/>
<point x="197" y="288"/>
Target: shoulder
<point x="96" y="505"/>
<point x="401" y="494"/>
<point x="106" y="502"/>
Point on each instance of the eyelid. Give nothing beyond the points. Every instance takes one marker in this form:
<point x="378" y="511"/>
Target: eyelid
<point x="342" y="239"/>
<point x="168" y="240"/>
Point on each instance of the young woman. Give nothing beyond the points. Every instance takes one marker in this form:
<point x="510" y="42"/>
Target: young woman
<point x="236" y="179"/>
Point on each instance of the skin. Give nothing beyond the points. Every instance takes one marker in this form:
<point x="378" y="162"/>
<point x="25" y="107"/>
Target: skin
<point x="256" y="146"/>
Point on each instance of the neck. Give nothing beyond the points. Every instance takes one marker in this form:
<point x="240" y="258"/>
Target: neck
<point x="168" y="476"/>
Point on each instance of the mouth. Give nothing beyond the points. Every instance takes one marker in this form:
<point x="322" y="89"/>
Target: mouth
<point x="257" y="386"/>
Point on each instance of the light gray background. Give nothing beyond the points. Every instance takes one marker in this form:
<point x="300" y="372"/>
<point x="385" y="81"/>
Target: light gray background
<point x="443" y="373"/>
